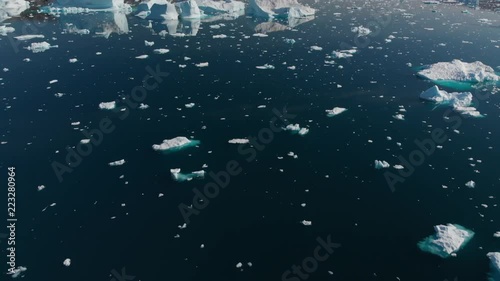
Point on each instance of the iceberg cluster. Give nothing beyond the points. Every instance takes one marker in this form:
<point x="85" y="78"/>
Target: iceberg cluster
<point x="280" y="8"/>
<point x="447" y="241"/>
<point x="175" y="144"/>
<point x="107" y="105"/>
<point x="117" y="163"/>
<point x="456" y="70"/>
<point x="180" y="177"/>
<point x="461" y="102"/>
<point x="296" y="129"/>
<point x="342" y="54"/>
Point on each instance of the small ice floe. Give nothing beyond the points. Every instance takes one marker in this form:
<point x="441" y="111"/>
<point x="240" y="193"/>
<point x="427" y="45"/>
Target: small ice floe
<point x="265" y="66"/>
<point x="219" y="36"/>
<point x="180" y="177"/>
<point x="289" y="41"/>
<point x="53" y="81"/>
<point x="189" y="105"/>
<point x="335" y="111"/>
<point x="58" y="95"/>
<point x="17" y="272"/>
<point x="238" y="141"/>
<point x="361" y="30"/>
<point x="306" y="223"/>
<point x="29" y="37"/>
<point x="143" y="106"/>
<point x="148" y="44"/>
<point x="343" y="54"/>
<point x="399" y="117"/>
<point x="202" y="64"/>
<point x="67" y="262"/>
<point x="107" y="105"/>
<point x="292" y="67"/>
<point x="176" y="143"/>
<point x="260" y="35"/>
<point x="85" y="141"/>
<point x="292" y="154"/>
<point x="496" y="234"/>
<point x="296" y="129"/>
<point x="4" y="30"/>
<point x="40" y="47"/>
<point x="470" y="184"/>
<point x="398" y="167"/>
<point x="141" y="57"/>
<point x="316" y="48"/>
<point x="461" y="102"/>
<point x="41" y="187"/>
<point x="117" y="163"/>
<point x="495" y="265"/>
<point x="457" y="70"/>
<point x="161" y="51"/>
<point x="261" y="106"/>
<point x="239" y="265"/>
<point x="380" y="164"/>
<point x="447" y="241"/>
<point x="73" y="60"/>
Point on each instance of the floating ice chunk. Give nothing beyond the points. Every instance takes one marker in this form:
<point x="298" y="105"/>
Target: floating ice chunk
<point x="461" y="102"/>
<point x="457" y="70"/>
<point x="67" y="262"/>
<point x="53" y="81"/>
<point x="470" y="184"/>
<point x="12" y="8"/>
<point x="188" y="9"/>
<point x="4" y="29"/>
<point x="447" y="241"/>
<point x="495" y="265"/>
<point x="180" y="177"/>
<point x="73" y="60"/>
<point x="306" y="223"/>
<point x="496" y="234"/>
<point x="260" y="35"/>
<point x="238" y="141"/>
<point x="265" y="66"/>
<point x="107" y="105"/>
<point x="342" y="54"/>
<point x="85" y="141"/>
<point x="18" y="271"/>
<point x="289" y="41"/>
<point x="148" y="43"/>
<point x="117" y="163"/>
<point x="40" y="187"/>
<point x="189" y="105"/>
<point x="219" y="36"/>
<point x="143" y="106"/>
<point x="316" y="48"/>
<point x="28" y="37"/>
<point x="40" y="47"/>
<point x="381" y="164"/>
<point x="361" y="30"/>
<point x="175" y="144"/>
<point x="141" y="57"/>
<point x="335" y="111"/>
<point x="161" y="51"/>
<point x="202" y="64"/>
<point x="279" y="8"/>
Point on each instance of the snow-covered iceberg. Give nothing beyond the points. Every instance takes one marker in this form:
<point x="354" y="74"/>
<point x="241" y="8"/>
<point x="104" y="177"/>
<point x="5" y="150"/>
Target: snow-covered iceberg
<point x="176" y="143"/>
<point x="447" y="241"/>
<point x="495" y="266"/>
<point x="457" y="74"/>
<point x="460" y="101"/>
<point x="12" y="8"/>
<point x="211" y="7"/>
<point x="157" y="10"/>
<point x="180" y="177"/>
<point x="280" y="8"/>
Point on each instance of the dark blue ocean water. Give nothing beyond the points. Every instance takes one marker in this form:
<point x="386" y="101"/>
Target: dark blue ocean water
<point x="256" y="218"/>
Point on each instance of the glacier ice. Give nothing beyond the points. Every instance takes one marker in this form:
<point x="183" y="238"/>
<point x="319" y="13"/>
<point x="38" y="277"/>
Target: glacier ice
<point x="447" y="241"/>
<point x="460" y="101"/>
<point x="361" y="30"/>
<point x="175" y="144"/>
<point x="265" y="66"/>
<point x="4" y="30"/>
<point x="342" y="54"/>
<point x="296" y="129"/>
<point x="457" y="70"/>
<point x="470" y="184"/>
<point x="18" y="271"/>
<point x="180" y="177"/>
<point x="279" y="8"/>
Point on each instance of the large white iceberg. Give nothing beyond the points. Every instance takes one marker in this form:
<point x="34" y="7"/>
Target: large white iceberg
<point x="280" y="8"/>
<point x="447" y="241"/>
<point x="495" y="266"/>
<point x="180" y="177"/>
<point x="12" y="8"/>
<point x="460" y="101"/>
<point x="175" y="144"/>
<point x="220" y="6"/>
<point x="460" y="71"/>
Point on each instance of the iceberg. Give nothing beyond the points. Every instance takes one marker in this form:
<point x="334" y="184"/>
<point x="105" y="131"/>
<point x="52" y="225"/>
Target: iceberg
<point x="188" y="9"/>
<point x="447" y="241"/>
<point x="28" y="37"/>
<point x="117" y="163"/>
<point x="157" y="10"/>
<point x="17" y="271"/>
<point x="361" y="31"/>
<point x="40" y="47"/>
<point x="456" y="73"/>
<point x="4" y="29"/>
<point x="107" y="105"/>
<point x="176" y="143"/>
<point x="380" y="164"/>
<point x="460" y="101"/>
<point x="495" y="265"/>
<point x="238" y="141"/>
<point x="220" y="6"/>
<point x="12" y="8"/>
<point x="91" y="4"/>
<point x="180" y="177"/>
<point x="280" y="8"/>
